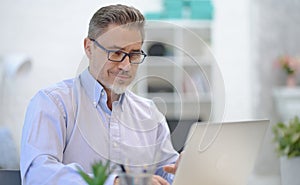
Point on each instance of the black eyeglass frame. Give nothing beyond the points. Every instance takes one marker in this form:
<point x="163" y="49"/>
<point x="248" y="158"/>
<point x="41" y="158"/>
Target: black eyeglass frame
<point x="108" y="51"/>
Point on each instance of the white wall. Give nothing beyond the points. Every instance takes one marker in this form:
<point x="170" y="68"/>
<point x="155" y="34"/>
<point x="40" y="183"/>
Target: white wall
<point x="234" y="52"/>
<point x="231" y="45"/>
<point x="51" y="32"/>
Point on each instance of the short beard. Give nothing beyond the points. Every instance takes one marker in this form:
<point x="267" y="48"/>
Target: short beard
<point x="117" y="89"/>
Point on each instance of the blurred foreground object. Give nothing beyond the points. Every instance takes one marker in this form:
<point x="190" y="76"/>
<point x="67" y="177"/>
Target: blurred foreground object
<point x="287" y="139"/>
<point x="9" y="155"/>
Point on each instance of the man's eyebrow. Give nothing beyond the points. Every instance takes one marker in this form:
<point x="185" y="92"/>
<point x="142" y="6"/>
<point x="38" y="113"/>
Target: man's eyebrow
<point x="136" y="50"/>
<point x="115" y="47"/>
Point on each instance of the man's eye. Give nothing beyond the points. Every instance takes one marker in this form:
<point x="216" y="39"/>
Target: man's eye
<point x="135" y="55"/>
<point x="118" y="53"/>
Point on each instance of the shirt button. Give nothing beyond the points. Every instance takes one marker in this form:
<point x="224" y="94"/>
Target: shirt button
<point x="102" y="93"/>
<point x="115" y="144"/>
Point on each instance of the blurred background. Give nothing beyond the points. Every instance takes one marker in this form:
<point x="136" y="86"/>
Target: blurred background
<point x="42" y="43"/>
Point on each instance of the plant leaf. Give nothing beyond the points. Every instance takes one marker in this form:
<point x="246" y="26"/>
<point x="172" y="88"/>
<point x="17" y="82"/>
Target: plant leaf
<point x="295" y="137"/>
<point x="287" y="137"/>
<point x="100" y="172"/>
<point x="86" y="177"/>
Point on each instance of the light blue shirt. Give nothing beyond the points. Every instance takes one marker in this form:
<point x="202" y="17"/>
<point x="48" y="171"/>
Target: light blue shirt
<point x="68" y="127"/>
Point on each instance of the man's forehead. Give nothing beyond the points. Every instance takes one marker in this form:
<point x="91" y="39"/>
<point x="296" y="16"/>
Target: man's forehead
<point x="121" y="36"/>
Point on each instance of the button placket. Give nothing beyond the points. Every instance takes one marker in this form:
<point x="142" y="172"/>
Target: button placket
<point x="114" y="139"/>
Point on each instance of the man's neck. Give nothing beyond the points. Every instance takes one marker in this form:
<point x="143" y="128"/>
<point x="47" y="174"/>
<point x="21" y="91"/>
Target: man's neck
<point x="111" y="97"/>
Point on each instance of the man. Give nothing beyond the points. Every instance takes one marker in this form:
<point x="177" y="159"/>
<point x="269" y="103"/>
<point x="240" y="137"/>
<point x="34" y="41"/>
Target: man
<point x="93" y="117"/>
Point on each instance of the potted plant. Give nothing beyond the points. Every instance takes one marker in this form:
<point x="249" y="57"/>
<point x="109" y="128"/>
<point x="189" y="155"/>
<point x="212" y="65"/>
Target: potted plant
<point x="290" y="66"/>
<point x="100" y="173"/>
<point x="287" y="139"/>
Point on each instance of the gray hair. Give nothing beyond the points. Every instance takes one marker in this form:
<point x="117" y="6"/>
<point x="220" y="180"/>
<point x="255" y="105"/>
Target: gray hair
<point x="115" y="14"/>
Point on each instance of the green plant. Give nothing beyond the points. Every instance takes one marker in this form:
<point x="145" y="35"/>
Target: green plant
<point x="287" y="138"/>
<point x="100" y="173"/>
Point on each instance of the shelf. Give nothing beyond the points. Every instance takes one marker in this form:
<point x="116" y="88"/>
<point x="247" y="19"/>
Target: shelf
<point x="179" y="81"/>
<point x="167" y="97"/>
<point x="202" y="97"/>
<point x="192" y="61"/>
<point x="161" y="61"/>
<point x="186" y="23"/>
<point x="186" y="97"/>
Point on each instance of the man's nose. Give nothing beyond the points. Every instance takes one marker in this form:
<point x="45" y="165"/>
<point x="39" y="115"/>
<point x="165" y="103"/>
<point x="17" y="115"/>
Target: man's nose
<point x="125" y="64"/>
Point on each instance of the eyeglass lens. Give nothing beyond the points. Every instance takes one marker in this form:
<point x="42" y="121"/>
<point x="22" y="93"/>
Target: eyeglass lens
<point x="119" y="56"/>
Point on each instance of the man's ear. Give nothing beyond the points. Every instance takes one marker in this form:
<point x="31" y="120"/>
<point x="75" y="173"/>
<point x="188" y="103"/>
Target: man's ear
<point x="87" y="47"/>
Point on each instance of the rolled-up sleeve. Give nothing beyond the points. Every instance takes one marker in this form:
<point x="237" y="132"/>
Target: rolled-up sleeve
<point x="167" y="153"/>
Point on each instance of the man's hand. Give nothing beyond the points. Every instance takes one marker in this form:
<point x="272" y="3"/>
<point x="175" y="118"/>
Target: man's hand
<point x="117" y="181"/>
<point x="172" y="168"/>
<point x="156" y="180"/>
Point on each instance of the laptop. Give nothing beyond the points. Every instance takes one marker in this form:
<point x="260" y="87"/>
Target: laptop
<point x="220" y="153"/>
<point x="10" y="177"/>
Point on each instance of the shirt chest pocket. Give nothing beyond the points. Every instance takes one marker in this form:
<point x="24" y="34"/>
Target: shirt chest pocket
<point x="139" y="147"/>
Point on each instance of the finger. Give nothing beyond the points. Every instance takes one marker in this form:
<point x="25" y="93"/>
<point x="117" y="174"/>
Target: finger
<point x="158" y="180"/>
<point x="178" y="160"/>
<point x="117" y="181"/>
<point x="170" y="168"/>
<point x="155" y="182"/>
<point x="173" y="168"/>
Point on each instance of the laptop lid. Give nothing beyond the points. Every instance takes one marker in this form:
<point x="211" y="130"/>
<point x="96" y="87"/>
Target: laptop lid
<point x="220" y="153"/>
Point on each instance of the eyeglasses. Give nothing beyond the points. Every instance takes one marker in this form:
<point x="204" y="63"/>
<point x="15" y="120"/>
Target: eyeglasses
<point x="118" y="55"/>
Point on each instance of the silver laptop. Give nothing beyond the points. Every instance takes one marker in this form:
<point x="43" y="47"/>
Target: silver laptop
<point x="220" y="153"/>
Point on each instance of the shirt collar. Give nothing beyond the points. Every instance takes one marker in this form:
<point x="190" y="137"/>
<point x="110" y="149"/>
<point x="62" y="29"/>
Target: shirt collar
<point x="94" y="89"/>
<point x="91" y="86"/>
